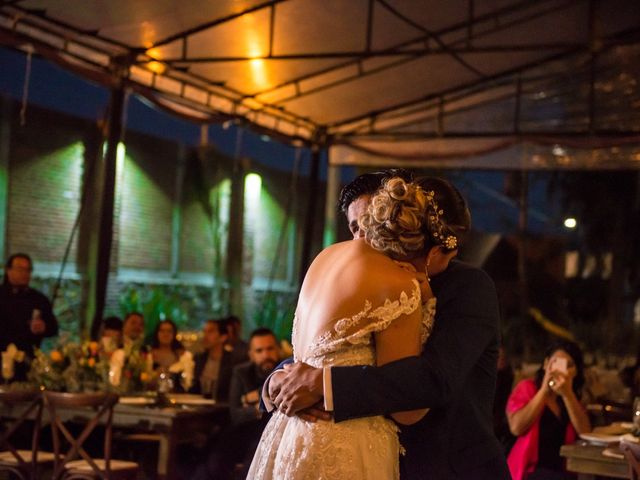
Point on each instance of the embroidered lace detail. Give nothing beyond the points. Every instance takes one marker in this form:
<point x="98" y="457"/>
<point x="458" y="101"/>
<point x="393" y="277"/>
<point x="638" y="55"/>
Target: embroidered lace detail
<point x="359" y="449"/>
<point x="353" y="336"/>
<point x="364" y="448"/>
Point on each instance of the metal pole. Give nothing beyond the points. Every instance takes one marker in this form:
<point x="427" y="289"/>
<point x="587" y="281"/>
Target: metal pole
<point x="235" y="241"/>
<point x="311" y="211"/>
<point x="105" y="228"/>
<point x="522" y="251"/>
<point x="330" y="205"/>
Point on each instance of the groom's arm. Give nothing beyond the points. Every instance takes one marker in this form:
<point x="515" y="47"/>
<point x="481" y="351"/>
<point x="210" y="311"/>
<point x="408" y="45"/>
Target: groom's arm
<point x="467" y="323"/>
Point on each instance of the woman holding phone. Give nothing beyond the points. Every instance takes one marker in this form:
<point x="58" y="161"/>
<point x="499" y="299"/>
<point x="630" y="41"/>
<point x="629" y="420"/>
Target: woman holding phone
<point x="545" y="413"/>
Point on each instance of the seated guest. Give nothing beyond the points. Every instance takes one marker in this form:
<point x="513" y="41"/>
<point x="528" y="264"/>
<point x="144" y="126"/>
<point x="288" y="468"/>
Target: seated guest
<point x="212" y="373"/>
<point x="545" y="412"/>
<point x="26" y="315"/>
<point x="165" y="347"/>
<point x="133" y="330"/>
<point x="111" y="335"/>
<point x="234" y="342"/>
<point x="238" y="442"/>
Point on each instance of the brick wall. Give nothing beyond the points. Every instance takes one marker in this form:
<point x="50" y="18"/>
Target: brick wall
<point x="147" y="192"/>
<point x="45" y="175"/>
<point x="48" y="159"/>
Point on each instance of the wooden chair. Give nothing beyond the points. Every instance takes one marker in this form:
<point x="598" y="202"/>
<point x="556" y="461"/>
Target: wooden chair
<point x="25" y="464"/>
<point x="88" y="468"/>
<point x="632" y="454"/>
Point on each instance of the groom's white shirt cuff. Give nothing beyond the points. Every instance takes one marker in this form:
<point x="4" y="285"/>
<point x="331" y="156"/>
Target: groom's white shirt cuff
<point x="327" y="389"/>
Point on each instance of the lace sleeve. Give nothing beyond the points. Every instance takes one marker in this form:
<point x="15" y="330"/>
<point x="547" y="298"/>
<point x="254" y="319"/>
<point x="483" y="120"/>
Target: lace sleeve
<point x="358" y="328"/>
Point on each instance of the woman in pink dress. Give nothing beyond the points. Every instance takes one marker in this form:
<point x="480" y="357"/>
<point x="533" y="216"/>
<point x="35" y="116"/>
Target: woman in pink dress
<point x="545" y="413"/>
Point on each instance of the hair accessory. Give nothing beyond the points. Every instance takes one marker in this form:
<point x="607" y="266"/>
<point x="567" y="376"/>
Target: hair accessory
<point x="426" y="269"/>
<point x="436" y="226"/>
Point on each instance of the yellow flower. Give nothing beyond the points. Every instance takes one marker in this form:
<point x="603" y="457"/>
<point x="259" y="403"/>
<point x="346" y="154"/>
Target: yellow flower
<point x="82" y="361"/>
<point x="91" y="362"/>
<point x="56" y="356"/>
<point x="93" y="347"/>
<point x="145" y="377"/>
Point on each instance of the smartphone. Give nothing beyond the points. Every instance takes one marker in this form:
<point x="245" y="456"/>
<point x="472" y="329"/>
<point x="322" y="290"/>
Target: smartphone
<point x="560" y="365"/>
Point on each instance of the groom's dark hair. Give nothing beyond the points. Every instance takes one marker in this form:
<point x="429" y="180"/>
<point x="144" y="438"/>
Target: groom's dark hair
<point x="368" y="184"/>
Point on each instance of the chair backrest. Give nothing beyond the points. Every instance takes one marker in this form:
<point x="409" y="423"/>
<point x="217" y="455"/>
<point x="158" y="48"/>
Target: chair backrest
<point x="30" y="404"/>
<point x="103" y="404"/>
<point x="632" y="454"/>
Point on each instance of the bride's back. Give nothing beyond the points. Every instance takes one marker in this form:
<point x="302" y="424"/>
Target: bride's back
<point x="339" y="283"/>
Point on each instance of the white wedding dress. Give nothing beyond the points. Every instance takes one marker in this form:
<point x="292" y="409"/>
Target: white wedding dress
<point x="365" y="448"/>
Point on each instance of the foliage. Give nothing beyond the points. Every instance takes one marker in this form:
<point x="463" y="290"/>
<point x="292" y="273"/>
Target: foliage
<point x="67" y="306"/>
<point x="187" y="305"/>
<point x="72" y="367"/>
<point x="276" y="312"/>
<point x="136" y="372"/>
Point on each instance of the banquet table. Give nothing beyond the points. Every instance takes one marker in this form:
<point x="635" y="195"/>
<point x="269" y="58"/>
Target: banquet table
<point x="597" y="454"/>
<point x="170" y="425"/>
<point x="588" y="462"/>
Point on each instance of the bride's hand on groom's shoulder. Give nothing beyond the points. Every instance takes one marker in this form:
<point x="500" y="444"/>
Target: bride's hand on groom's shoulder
<point x="300" y="388"/>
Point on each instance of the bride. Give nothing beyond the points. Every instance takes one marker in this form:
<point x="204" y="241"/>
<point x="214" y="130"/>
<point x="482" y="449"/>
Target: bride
<point x="359" y="305"/>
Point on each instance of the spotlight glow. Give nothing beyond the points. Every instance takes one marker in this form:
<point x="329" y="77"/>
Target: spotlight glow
<point x="570" y="222"/>
<point x="252" y="187"/>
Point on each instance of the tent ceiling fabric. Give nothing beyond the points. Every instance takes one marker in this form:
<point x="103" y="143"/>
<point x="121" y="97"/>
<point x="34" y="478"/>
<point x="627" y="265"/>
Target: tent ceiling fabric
<point x="374" y="77"/>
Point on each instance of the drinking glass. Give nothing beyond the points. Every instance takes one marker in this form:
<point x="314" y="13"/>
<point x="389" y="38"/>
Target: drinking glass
<point x="165" y="382"/>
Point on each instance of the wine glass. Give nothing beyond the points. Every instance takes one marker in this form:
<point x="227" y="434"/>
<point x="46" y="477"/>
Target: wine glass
<point x="165" y="382"/>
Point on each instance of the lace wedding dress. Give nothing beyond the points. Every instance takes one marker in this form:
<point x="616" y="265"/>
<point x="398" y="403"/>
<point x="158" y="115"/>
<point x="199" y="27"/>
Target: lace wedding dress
<point x="364" y="448"/>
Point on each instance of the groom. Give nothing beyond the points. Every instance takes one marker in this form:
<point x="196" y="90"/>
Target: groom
<point x="455" y="375"/>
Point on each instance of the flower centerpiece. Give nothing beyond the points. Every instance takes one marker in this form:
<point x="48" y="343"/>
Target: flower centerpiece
<point x="130" y="369"/>
<point x="72" y="367"/>
<point x="185" y="367"/>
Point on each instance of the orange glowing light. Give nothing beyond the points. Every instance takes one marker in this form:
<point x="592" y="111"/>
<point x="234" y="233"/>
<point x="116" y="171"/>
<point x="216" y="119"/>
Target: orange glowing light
<point x="157" y="67"/>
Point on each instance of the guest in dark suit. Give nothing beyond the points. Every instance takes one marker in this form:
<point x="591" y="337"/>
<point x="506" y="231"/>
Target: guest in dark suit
<point x="213" y="367"/>
<point x="455" y="375"/>
<point x="26" y="315"/>
<point x="238" y="442"/>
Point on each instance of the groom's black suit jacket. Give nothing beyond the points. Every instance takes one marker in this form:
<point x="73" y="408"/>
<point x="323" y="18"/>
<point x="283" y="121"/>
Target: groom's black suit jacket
<point x="455" y="376"/>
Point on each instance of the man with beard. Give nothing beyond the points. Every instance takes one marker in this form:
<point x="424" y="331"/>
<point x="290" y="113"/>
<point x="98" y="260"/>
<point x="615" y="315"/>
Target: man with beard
<point x="238" y="443"/>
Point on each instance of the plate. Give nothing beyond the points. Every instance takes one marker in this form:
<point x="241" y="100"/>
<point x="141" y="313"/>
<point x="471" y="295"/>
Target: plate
<point x="613" y="453"/>
<point x="629" y="437"/>
<point x="616" y="428"/>
<point x="190" y="399"/>
<point x="137" y="400"/>
<point x="600" y="438"/>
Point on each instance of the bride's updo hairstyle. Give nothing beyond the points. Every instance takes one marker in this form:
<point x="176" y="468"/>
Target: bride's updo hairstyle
<point x="394" y="222"/>
<point x="406" y="219"/>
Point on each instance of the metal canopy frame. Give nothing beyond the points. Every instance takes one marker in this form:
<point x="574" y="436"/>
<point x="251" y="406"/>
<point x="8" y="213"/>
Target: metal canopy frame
<point x="176" y="82"/>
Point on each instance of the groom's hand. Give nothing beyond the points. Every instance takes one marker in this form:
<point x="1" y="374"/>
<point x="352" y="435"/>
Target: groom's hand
<point x="300" y="389"/>
<point x="315" y="413"/>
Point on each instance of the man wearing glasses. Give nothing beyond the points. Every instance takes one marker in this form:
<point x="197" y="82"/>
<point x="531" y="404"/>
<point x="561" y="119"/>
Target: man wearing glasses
<point x="26" y="316"/>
